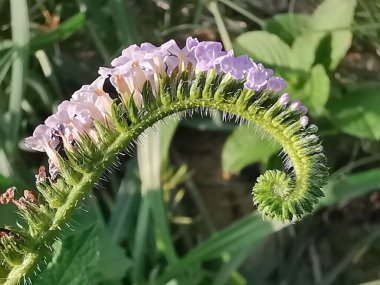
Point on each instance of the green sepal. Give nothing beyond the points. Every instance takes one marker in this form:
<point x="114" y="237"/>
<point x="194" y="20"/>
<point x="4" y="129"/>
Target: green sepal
<point x="81" y="164"/>
<point x="86" y="146"/>
<point x="68" y="172"/>
<point x="244" y="98"/>
<point x="197" y="85"/>
<point x="227" y="87"/>
<point x="119" y="116"/>
<point x="4" y="271"/>
<point x="105" y="133"/>
<point x="210" y="84"/>
<point x="183" y="86"/>
<point x="274" y="110"/>
<point x="261" y="99"/>
<point x="165" y="90"/>
<point x="38" y="218"/>
<point x="149" y="99"/>
<point x="55" y="199"/>
<point x="132" y="110"/>
<point x="11" y="250"/>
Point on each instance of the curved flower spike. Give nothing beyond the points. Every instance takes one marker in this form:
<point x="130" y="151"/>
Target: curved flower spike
<point x="87" y="133"/>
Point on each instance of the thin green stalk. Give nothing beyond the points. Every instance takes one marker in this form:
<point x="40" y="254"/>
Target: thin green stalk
<point x="139" y="252"/>
<point x="244" y="12"/>
<point x="102" y="49"/>
<point x="214" y="9"/>
<point x="199" y="11"/>
<point x="149" y="158"/>
<point x="123" y="22"/>
<point x="20" y="38"/>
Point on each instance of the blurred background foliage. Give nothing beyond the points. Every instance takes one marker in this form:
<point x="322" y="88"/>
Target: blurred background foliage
<point x="179" y="212"/>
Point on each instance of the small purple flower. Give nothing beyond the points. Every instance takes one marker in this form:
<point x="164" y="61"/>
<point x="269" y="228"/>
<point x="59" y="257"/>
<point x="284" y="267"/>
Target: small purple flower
<point x="126" y="56"/>
<point x="304" y="120"/>
<point x="191" y="43"/>
<point x="180" y="57"/>
<point x="257" y="78"/>
<point x="276" y="83"/>
<point x="303" y="110"/>
<point x="206" y="54"/>
<point x="298" y="107"/>
<point x="42" y="140"/>
<point x="53" y="170"/>
<point x="236" y="66"/>
<point x="284" y="99"/>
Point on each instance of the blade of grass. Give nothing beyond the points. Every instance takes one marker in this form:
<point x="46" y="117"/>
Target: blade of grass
<point x="140" y="249"/>
<point x="40" y="89"/>
<point x="123" y="22"/>
<point x="101" y="47"/>
<point x="235" y="260"/>
<point x="242" y="234"/>
<point x="5" y="64"/>
<point x="149" y="159"/>
<point x="214" y="9"/>
<point x="20" y="38"/>
<point x="351" y="186"/>
<point x="5" y="165"/>
<point x="124" y="213"/>
<point x="244" y="12"/>
<point x="199" y="11"/>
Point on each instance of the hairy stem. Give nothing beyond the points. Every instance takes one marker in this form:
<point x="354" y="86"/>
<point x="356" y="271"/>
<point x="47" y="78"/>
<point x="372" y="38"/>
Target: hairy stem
<point x="78" y="192"/>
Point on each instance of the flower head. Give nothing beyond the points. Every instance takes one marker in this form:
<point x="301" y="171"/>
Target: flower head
<point x="129" y="73"/>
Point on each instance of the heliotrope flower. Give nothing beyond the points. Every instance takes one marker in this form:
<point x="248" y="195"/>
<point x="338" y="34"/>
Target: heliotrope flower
<point x="128" y="74"/>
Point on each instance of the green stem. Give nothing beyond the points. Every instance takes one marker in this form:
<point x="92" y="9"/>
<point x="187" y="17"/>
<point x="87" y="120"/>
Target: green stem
<point x="244" y="12"/>
<point x="213" y="7"/>
<point x="78" y="192"/>
<point x="20" y="38"/>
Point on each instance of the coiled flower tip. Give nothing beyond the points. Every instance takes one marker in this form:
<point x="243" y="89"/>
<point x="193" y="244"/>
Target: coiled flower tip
<point x="88" y="131"/>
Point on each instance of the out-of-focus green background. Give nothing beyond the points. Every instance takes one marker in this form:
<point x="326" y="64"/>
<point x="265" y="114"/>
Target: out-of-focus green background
<point x="199" y="225"/>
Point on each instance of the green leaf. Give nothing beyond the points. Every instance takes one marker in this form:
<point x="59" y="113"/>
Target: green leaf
<point x="232" y="262"/>
<point x="264" y="47"/>
<point x="62" y="32"/>
<point x="351" y="186"/>
<point x="243" y="147"/>
<point x="304" y="50"/>
<point x="316" y="91"/>
<point x="245" y="233"/>
<point x="340" y="43"/>
<point x="335" y="16"/>
<point x="74" y="260"/>
<point x="113" y="264"/>
<point x="288" y="26"/>
<point x="357" y="113"/>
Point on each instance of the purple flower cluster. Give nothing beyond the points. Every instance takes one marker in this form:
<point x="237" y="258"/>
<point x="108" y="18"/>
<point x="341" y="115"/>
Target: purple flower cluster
<point x="137" y="65"/>
<point x="72" y="119"/>
<point x="129" y="72"/>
